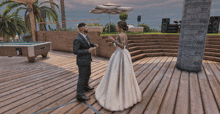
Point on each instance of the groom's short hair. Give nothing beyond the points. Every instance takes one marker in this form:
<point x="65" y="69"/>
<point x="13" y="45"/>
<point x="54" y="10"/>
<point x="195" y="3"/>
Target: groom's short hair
<point x="81" y="25"/>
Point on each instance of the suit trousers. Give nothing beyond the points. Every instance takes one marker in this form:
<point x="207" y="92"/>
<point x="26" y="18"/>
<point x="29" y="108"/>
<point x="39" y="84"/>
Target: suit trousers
<point x="84" y="75"/>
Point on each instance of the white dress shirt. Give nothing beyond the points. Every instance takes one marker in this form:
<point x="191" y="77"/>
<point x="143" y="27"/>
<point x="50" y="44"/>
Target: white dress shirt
<point x="84" y="37"/>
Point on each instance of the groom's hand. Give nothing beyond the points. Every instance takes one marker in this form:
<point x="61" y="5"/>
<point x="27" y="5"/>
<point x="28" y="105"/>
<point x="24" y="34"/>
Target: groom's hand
<point x="96" y="45"/>
<point x="90" y="50"/>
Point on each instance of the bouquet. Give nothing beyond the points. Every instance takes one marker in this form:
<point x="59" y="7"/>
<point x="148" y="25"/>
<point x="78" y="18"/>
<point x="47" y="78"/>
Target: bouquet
<point x="114" y="38"/>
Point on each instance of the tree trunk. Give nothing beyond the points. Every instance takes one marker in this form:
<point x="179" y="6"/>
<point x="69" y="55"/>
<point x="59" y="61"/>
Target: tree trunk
<point x="63" y="13"/>
<point x="33" y="22"/>
<point x="194" y="26"/>
<point x="53" y="8"/>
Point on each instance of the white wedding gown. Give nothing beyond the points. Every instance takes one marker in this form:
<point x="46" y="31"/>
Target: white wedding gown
<point x="118" y="89"/>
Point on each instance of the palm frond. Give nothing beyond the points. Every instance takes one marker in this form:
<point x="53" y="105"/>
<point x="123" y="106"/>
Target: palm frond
<point x="50" y="3"/>
<point x="20" y="8"/>
<point x="5" y="2"/>
<point x="13" y="5"/>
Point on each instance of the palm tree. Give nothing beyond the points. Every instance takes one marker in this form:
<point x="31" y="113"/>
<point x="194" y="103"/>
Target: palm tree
<point x="193" y="36"/>
<point x="63" y="13"/>
<point x="36" y="9"/>
<point x="53" y="8"/>
<point x="10" y="25"/>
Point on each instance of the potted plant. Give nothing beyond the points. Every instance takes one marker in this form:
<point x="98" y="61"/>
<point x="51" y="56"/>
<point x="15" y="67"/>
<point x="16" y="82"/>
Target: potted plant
<point x="95" y="27"/>
<point x="123" y="16"/>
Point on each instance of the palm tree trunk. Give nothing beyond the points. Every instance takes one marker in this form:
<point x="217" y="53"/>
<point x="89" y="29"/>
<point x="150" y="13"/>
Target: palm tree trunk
<point x="33" y="22"/>
<point x="63" y="13"/>
<point x="53" y="8"/>
<point x="194" y="26"/>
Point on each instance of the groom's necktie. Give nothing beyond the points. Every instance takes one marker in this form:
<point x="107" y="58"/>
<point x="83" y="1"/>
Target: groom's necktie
<point x="87" y="39"/>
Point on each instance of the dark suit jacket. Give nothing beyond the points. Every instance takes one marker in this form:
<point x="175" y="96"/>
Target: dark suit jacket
<point x="80" y="48"/>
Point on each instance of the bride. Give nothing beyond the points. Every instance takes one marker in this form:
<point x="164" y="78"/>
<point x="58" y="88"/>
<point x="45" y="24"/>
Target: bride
<point x="118" y="89"/>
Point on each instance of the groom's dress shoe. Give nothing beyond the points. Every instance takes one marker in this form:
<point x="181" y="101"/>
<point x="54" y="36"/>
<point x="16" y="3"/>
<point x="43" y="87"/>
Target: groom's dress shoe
<point x="82" y="98"/>
<point x="88" y="88"/>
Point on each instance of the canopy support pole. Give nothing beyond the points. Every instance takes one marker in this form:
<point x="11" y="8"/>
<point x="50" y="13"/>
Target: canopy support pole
<point x="109" y="23"/>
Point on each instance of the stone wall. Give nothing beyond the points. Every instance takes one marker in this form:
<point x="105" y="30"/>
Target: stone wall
<point x="63" y="41"/>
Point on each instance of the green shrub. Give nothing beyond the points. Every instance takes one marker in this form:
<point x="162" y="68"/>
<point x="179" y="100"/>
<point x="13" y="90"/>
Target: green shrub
<point x="153" y="30"/>
<point x="61" y="29"/>
<point x="123" y="16"/>
<point x="94" y="24"/>
<point x="112" y="27"/>
<point x="146" y="27"/>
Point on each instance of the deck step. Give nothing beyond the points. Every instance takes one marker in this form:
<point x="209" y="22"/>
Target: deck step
<point x="136" y="52"/>
<point x="212" y="50"/>
<point x="174" y="38"/>
<point x="159" y="50"/>
<point x="132" y="48"/>
<point x="154" y="40"/>
<point x="160" y="54"/>
<point x="212" y="54"/>
<point x="173" y="47"/>
<point x="176" y="43"/>
<point x="157" y="47"/>
<point x="211" y="58"/>
<point x="137" y="57"/>
<point x="153" y="43"/>
<point x="150" y="38"/>
<point x="205" y="57"/>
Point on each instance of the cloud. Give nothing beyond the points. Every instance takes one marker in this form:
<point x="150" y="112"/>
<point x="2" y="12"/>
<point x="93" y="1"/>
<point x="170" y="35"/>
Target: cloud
<point x="138" y="4"/>
<point x="153" y="5"/>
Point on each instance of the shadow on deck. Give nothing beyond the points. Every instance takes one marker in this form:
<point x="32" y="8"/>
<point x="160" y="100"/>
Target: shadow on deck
<point x="26" y="88"/>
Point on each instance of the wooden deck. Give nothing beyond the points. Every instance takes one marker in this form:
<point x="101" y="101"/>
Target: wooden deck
<point x="26" y="87"/>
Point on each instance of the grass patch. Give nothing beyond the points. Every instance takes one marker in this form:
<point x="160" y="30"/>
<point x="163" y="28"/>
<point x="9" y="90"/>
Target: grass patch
<point x="130" y="33"/>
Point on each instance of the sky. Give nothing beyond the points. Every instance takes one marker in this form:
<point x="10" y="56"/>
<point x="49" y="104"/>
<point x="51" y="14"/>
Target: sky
<point x="151" y="11"/>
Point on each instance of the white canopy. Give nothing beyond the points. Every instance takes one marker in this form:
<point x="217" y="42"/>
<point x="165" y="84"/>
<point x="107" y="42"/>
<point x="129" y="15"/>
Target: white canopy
<point x="110" y="8"/>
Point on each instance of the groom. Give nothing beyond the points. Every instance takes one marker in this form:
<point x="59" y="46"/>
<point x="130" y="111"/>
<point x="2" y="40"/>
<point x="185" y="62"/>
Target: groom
<point x="83" y="48"/>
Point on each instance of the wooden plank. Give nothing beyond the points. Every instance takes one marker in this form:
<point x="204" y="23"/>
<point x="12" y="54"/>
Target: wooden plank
<point x="96" y="106"/>
<point x="31" y="91"/>
<point x="49" y="93"/>
<point x="149" y="73"/>
<point x="67" y="108"/>
<point x="215" y="69"/>
<point x="67" y="99"/>
<point x="90" y="94"/>
<point x="141" y="63"/>
<point x="153" y="62"/>
<point x="33" y="79"/>
<point x="105" y="111"/>
<point x="16" y="75"/>
<point x="182" y="103"/>
<point x="64" y="109"/>
<point x="56" y="97"/>
<point x="71" y="98"/>
<point x="213" y="82"/>
<point x="156" y="101"/>
<point x="196" y="106"/>
<point x="34" y="65"/>
<point x="150" y="86"/>
<point x="168" y="104"/>
<point x="137" y="73"/>
<point x="208" y="99"/>
<point x="42" y="79"/>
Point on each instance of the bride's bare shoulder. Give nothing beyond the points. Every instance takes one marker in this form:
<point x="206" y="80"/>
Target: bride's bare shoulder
<point x="122" y="35"/>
